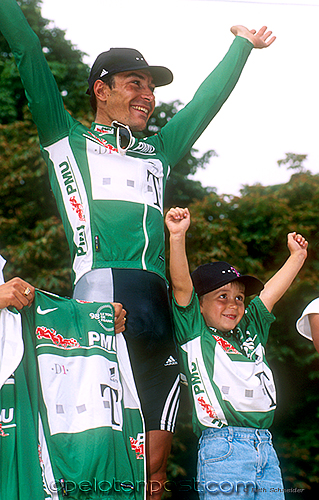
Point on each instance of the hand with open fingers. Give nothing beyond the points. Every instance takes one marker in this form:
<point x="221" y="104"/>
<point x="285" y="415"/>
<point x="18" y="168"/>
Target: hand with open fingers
<point x="177" y="220"/>
<point x="260" y="39"/>
<point x="16" y="293"/>
<point x="297" y="244"/>
<point x="119" y="317"/>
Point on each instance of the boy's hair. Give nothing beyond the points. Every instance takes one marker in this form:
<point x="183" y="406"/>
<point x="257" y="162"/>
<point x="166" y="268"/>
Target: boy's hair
<point x="213" y="275"/>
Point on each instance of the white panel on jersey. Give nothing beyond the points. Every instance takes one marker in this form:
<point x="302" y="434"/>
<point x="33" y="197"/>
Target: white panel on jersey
<point x="80" y="392"/>
<point x="117" y="177"/>
<point x="208" y="409"/>
<point x="248" y="386"/>
<point x="75" y="203"/>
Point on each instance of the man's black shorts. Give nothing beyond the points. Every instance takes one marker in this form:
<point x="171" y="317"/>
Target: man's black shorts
<point x="148" y="335"/>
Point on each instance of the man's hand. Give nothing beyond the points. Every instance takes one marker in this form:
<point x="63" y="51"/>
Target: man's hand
<point x="119" y="317"/>
<point x="16" y="293"/>
<point x="259" y="40"/>
<point x="177" y="220"/>
<point x="297" y="244"/>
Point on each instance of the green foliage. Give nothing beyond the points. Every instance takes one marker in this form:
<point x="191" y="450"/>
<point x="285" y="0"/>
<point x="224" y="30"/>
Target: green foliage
<point x="64" y="60"/>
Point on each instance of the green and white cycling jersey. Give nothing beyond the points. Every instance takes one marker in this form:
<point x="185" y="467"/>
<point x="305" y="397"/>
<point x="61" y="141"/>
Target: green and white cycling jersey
<point x="111" y="205"/>
<point x="228" y="376"/>
<point x="74" y="407"/>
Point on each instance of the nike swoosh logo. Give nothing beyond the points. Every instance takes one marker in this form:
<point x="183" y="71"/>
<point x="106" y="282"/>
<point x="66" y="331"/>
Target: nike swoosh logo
<point x="45" y="311"/>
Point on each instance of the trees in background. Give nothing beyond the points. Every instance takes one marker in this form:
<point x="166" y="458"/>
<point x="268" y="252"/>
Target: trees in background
<point x="248" y="230"/>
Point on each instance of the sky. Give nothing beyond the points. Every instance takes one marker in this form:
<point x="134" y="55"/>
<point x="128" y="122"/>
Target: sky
<point x="274" y="108"/>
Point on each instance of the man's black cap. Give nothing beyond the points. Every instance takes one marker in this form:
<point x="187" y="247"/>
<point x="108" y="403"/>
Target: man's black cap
<point x="213" y="275"/>
<point x="117" y="60"/>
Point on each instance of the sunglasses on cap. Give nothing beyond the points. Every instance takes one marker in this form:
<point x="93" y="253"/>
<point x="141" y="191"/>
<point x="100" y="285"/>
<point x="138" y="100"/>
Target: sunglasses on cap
<point x="124" y="137"/>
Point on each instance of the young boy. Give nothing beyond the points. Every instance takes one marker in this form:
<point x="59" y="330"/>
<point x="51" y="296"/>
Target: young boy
<point x="222" y="349"/>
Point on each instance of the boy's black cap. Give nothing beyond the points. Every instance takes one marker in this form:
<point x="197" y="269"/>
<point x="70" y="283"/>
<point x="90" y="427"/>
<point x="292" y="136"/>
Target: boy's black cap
<point x="213" y="275"/>
<point x="117" y="60"/>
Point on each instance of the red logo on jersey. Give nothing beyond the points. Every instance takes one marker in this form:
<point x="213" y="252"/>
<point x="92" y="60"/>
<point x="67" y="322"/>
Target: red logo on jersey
<point x="103" y="142"/>
<point x="227" y="347"/>
<point x="78" y="207"/>
<point x="207" y="407"/>
<point x="137" y="445"/>
<point x="43" y="332"/>
<point x="2" y="433"/>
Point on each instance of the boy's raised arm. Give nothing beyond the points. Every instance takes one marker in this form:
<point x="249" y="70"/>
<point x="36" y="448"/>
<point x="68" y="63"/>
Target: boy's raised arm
<point x="177" y="221"/>
<point x="276" y="287"/>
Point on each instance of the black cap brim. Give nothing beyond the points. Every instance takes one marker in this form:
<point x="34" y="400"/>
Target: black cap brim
<point x="161" y="75"/>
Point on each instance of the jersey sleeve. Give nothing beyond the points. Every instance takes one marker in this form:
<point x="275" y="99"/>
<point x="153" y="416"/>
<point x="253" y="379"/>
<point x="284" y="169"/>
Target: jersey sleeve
<point x="45" y="101"/>
<point x="188" y="321"/>
<point x="303" y="324"/>
<point x="182" y="131"/>
<point x="257" y="313"/>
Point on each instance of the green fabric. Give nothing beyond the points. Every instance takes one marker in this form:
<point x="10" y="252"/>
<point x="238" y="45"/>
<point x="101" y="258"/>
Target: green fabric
<point x="75" y="396"/>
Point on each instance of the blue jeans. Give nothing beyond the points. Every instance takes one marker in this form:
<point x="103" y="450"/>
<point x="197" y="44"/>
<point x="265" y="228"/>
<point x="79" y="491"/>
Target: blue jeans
<point x="238" y="463"/>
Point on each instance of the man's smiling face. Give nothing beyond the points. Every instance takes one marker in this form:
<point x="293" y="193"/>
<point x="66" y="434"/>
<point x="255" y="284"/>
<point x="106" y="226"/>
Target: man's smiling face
<point x="131" y="100"/>
<point x="224" y="308"/>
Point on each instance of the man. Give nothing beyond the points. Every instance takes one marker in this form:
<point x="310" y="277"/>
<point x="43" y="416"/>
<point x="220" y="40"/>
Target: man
<point x="109" y="189"/>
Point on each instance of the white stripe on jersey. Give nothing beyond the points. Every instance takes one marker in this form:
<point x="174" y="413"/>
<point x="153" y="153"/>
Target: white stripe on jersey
<point x="75" y="203"/>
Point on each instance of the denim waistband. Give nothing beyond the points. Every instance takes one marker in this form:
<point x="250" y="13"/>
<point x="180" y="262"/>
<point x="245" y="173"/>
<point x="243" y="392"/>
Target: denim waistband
<point x="238" y="433"/>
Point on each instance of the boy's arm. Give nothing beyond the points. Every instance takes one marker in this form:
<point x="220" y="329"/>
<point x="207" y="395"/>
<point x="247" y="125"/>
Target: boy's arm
<point x="276" y="287"/>
<point x="177" y="221"/>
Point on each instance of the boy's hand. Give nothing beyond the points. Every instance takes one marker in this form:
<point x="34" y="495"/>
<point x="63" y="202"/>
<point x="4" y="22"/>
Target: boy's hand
<point x="297" y="244"/>
<point x="259" y="40"/>
<point x="177" y="220"/>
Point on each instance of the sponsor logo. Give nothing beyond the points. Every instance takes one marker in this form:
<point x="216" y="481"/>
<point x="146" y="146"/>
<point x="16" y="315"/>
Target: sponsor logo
<point x="78" y="208"/>
<point x="2" y="433"/>
<point x="103" y="130"/>
<point x="104" y="315"/>
<point x="207" y="407"/>
<point x="82" y="242"/>
<point x="103" y="72"/>
<point x="45" y="311"/>
<point x="137" y="445"/>
<point x="226" y="346"/>
<point x="144" y="148"/>
<point x="67" y="176"/>
<point x="107" y="148"/>
<point x="42" y="332"/>
<point x="6" y="419"/>
<point x="170" y="361"/>
<point x="105" y="341"/>
<point x="196" y="380"/>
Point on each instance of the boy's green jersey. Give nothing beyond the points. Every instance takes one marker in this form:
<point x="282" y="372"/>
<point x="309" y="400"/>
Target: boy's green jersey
<point x="72" y="419"/>
<point x="111" y="205"/>
<point x="228" y="376"/>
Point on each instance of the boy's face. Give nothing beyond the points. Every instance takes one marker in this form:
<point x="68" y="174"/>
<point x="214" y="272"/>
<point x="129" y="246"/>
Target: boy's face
<point x="224" y="308"/>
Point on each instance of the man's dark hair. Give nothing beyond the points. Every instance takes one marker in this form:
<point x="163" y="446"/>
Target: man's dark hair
<point x="109" y="80"/>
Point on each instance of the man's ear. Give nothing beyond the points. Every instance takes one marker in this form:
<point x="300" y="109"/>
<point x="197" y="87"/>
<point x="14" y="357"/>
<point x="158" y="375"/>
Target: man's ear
<point x="101" y="90"/>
